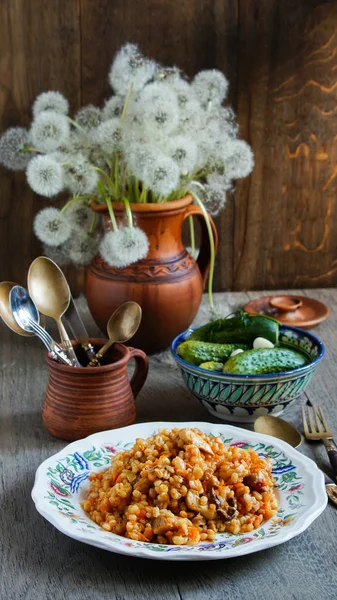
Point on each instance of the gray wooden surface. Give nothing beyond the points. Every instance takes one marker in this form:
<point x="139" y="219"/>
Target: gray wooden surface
<point x="36" y="561"/>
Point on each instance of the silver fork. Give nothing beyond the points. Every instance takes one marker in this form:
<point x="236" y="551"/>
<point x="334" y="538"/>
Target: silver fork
<point x="318" y="429"/>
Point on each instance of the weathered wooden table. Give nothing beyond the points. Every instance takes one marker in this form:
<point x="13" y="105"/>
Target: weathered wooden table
<point x="37" y="562"/>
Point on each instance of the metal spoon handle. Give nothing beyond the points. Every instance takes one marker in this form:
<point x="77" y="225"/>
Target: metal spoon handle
<point x="95" y="361"/>
<point x="67" y="345"/>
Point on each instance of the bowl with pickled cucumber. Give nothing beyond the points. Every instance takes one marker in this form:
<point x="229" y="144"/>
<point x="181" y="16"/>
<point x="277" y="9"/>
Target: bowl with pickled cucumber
<point x="245" y="366"/>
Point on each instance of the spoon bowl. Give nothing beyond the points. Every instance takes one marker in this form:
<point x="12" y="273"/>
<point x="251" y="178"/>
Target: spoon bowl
<point x="278" y="428"/>
<point x="48" y="287"/>
<point x="6" y="312"/>
<point x="121" y="327"/>
<point x="50" y="291"/>
<point x="124" y="322"/>
<point x="23" y="309"/>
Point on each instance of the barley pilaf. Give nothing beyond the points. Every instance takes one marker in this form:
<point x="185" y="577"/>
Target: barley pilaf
<point x="182" y="487"/>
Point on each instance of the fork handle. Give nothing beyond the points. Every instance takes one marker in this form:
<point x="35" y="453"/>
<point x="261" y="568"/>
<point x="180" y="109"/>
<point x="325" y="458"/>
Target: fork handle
<point x="331" y="449"/>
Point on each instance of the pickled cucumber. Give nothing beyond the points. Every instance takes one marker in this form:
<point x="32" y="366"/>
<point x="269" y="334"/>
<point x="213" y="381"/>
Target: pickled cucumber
<point x="195" y="352"/>
<point x="211" y="365"/>
<point x="265" y="360"/>
<point x="243" y="327"/>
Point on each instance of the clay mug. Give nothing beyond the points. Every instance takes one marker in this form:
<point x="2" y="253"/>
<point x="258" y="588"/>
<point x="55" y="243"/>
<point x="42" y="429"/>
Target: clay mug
<point x="82" y="401"/>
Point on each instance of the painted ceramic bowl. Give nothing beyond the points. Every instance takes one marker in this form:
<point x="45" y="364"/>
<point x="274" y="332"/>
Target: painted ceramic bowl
<point x="243" y="398"/>
<point x="61" y="483"/>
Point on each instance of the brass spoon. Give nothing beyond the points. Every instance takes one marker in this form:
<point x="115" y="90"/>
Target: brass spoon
<point x="6" y="313"/>
<point x="278" y="428"/>
<point x="284" y="431"/>
<point x="121" y="327"/>
<point x="50" y="292"/>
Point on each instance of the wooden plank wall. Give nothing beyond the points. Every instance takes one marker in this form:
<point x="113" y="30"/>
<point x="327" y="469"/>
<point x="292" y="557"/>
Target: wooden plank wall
<point x="279" y="228"/>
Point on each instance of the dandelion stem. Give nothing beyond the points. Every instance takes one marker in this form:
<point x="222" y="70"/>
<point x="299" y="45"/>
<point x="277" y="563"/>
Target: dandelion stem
<point x="136" y="189"/>
<point x="76" y="125"/>
<point x="93" y="223"/>
<point x="211" y="243"/>
<point x="143" y="195"/>
<point x="112" y="214"/>
<point x="75" y="199"/>
<point x="116" y="174"/>
<point x="192" y="236"/>
<point x="107" y="178"/>
<point x="128" y="211"/>
<point x="32" y="149"/>
<point x="127" y="102"/>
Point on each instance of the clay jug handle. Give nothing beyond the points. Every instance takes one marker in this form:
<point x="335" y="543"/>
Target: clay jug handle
<point x="142" y="366"/>
<point x="204" y="254"/>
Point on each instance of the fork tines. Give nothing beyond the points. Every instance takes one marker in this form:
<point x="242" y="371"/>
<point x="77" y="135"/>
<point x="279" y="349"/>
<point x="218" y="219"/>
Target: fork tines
<point x="318" y="425"/>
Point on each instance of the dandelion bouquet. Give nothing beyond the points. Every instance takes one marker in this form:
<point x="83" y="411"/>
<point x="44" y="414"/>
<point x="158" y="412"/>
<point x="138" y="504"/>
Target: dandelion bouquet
<point x="158" y="138"/>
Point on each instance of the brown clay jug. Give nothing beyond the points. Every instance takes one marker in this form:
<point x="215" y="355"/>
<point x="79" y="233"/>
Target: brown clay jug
<point x="82" y="401"/>
<point x="168" y="283"/>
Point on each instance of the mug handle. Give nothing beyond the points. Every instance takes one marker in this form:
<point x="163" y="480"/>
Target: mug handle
<point x="204" y="254"/>
<point x="142" y="366"/>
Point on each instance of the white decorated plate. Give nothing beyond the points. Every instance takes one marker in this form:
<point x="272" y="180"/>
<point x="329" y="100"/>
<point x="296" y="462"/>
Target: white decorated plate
<point x="61" y="483"/>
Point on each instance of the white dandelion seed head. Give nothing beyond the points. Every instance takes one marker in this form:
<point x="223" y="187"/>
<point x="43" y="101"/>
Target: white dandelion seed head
<point x="107" y="247"/>
<point x="75" y="144"/>
<point x="182" y="89"/>
<point x="80" y="176"/>
<point x="83" y="246"/>
<point x="159" y="105"/>
<point x="109" y="135"/>
<point x="134" y="118"/>
<point x="130" y="67"/>
<point x="210" y="87"/>
<point x="59" y="254"/>
<point x="89" y="117"/>
<point x="49" y="130"/>
<point x="226" y="119"/>
<point x="124" y="247"/>
<point x="162" y="175"/>
<point x="79" y="144"/>
<point x="140" y="156"/>
<point x="219" y="182"/>
<point x="79" y="215"/>
<point x="168" y="74"/>
<point x="97" y="157"/>
<point x="191" y="116"/>
<point x="113" y="108"/>
<point x="210" y="144"/>
<point x="184" y="152"/>
<point x="238" y="159"/>
<point x="214" y="200"/>
<point x="53" y="101"/>
<point x="14" y="149"/>
<point x="45" y="176"/>
<point x="52" y="227"/>
<point x="60" y="156"/>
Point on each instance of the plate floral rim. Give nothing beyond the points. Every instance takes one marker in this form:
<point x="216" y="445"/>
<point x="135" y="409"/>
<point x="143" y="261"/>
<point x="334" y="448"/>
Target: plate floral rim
<point x="298" y="478"/>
